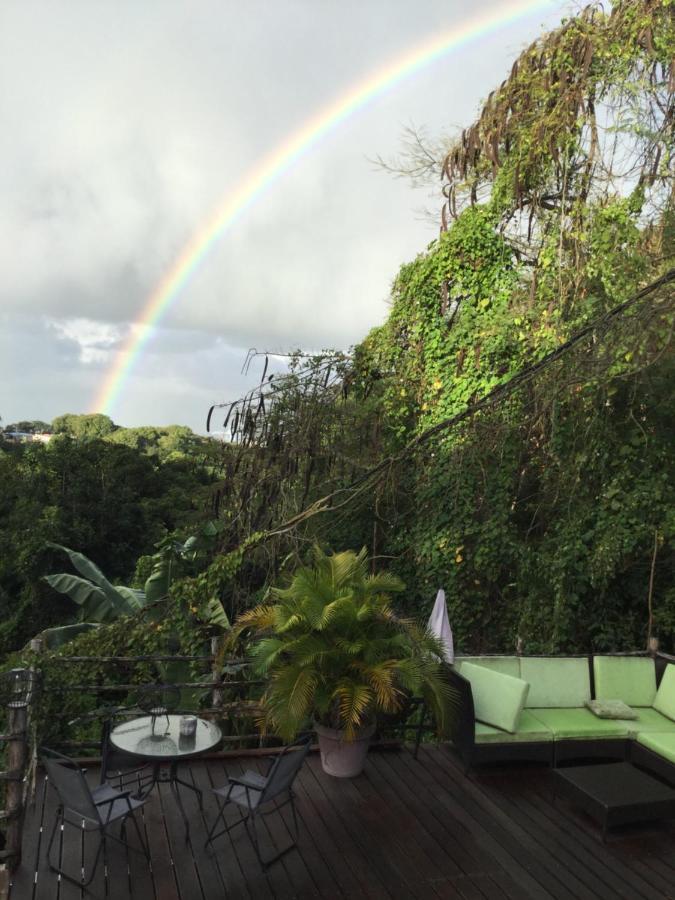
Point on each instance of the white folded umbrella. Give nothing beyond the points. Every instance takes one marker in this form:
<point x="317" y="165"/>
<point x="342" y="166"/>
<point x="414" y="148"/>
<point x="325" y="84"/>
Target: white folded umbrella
<point x="439" y="626"/>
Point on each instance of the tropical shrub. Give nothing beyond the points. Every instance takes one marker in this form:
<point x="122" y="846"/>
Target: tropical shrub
<point x="332" y="648"/>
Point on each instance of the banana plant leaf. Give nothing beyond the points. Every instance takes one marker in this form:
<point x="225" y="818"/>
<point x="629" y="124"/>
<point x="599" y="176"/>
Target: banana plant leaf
<point x="216" y="615"/>
<point x="57" y="637"/>
<point x="94" y="603"/>
<point x="134" y="597"/>
<point x="157" y="584"/>
<point x="121" y="604"/>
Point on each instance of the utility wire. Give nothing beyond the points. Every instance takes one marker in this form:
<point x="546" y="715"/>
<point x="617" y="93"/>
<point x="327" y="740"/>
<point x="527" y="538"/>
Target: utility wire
<point x="496" y="395"/>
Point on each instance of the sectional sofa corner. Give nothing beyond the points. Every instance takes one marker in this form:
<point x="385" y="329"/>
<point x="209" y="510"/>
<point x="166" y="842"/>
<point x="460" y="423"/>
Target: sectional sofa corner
<point x="534" y="709"/>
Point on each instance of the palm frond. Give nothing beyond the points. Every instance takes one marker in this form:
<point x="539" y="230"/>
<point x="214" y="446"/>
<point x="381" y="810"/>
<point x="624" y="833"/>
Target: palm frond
<point x="382" y="678"/>
<point x="265" y="654"/>
<point x="260" y="619"/>
<point x="354" y="700"/>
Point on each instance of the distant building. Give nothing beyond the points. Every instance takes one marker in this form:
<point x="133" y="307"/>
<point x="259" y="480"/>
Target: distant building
<point x="25" y="437"/>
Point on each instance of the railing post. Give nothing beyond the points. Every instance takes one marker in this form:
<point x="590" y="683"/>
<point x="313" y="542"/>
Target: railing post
<point x="216" y="648"/>
<point x="16" y="738"/>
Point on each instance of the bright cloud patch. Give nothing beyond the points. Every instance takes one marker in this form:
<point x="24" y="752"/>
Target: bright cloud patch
<point x="95" y="340"/>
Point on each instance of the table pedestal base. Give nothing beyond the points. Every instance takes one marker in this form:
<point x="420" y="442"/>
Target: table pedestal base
<point x="161" y="776"/>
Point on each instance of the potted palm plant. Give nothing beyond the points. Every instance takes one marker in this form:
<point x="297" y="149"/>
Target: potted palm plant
<point x="333" y="651"/>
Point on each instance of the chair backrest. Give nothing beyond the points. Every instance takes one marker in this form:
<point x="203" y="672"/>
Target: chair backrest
<point x="284" y="769"/>
<point x="116" y="765"/>
<point x="70" y="784"/>
<point x="158" y="700"/>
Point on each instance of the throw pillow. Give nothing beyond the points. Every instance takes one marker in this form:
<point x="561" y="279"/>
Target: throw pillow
<point x="611" y="709"/>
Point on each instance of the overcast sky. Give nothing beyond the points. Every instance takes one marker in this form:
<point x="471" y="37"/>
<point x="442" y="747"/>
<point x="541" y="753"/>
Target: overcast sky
<point x="126" y="123"/>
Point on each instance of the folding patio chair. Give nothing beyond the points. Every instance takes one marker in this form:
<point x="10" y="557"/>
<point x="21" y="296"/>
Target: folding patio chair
<point x="87" y="810"/>
<point x="118" y="768"/>
<point x="251" y="792"/>
<point x="122" y="770"/>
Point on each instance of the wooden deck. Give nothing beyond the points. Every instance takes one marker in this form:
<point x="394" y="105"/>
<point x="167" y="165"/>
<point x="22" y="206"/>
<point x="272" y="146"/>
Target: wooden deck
<point x="404" y="829"/>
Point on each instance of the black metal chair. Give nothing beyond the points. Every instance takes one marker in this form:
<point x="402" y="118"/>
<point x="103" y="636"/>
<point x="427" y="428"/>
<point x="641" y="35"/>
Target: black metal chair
<point x="89" y="810"/>
<point x="120" y="769"/>
<point x="400" y="721"/>
<point x="251" y="792"/>
<point x="158" y="701"/>
<point x="116" y="767"/>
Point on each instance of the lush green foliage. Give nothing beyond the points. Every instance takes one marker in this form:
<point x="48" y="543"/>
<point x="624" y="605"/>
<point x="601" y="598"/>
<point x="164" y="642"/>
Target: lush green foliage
<point x="547" y="517"/>
<point x="109" y="501"/>
<point x="332" y="648"/>
<point x="84" y="427"/>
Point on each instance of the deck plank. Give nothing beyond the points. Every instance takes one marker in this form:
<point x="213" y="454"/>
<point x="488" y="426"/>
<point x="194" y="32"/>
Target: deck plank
<point x="212" y="885"/>
<point x="46" y="882"/>
<point x="371" y="822"/>
<point x="234" y="850"/>
<point x="305" y="851"/>
<point x="405" y="828"/>
<point x="474" y="854"/>
<point x="288" y="877"/>
<point x="23" y="880"/>
<point x="163" y="869"/>
<point x="346" y="851"/>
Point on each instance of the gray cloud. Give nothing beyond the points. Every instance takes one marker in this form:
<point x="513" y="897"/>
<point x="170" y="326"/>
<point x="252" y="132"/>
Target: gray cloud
<point x="129" y="123"/>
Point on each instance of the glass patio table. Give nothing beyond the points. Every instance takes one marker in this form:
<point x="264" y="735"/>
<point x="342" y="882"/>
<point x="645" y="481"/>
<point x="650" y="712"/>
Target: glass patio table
<point x="158" y="741"/>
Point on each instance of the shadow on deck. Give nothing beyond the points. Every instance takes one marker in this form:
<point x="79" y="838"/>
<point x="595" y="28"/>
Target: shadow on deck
<point x="403" y="829"/>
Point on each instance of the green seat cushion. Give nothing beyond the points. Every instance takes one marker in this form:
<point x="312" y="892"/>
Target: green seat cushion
<point x="628" y="678"/>
<point x="530" y="729"/>
<point x="580" y="723"/>
<point x="649" y="720"/>
<point x="497" y="699"/>
<point x="664" y="702"/>
<point x="663" y="744"/>
<point x="507" y="665"/>
<point x="556" y="682"/>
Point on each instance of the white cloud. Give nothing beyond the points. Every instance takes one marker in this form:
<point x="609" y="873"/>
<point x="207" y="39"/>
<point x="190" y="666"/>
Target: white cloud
<point x="96" y="340"/>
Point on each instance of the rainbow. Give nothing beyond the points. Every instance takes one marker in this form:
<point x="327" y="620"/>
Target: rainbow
<point x="274" y="165"/>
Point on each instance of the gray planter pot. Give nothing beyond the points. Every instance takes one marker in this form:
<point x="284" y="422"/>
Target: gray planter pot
<point x="341" y="758"/>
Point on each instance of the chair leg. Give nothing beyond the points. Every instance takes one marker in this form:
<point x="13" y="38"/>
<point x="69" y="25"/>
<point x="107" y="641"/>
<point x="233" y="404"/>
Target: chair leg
<point x="59" y="817"/>
<point x="253" y="834"/>
<point x="221" y="815"/>
<point x="78" y="881"/>
<point x="295" y="817"/>
<point x="146" y="849"/>
<point x="419" y="729"/>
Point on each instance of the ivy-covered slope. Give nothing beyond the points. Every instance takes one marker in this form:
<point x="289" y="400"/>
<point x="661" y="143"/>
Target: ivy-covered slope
<point x="539" y="517"/>
<point x="550" y="517"/>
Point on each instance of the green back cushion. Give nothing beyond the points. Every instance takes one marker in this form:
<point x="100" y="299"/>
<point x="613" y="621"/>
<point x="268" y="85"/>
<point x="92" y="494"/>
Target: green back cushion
<point x="556" y="683"/>
<point x="497" y="698"/>
<point x="507" y="665"/>
<point x="628" y="678"/>
<point x="665" y="696"/>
